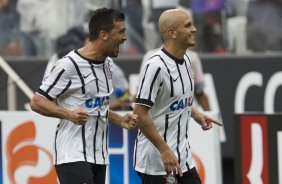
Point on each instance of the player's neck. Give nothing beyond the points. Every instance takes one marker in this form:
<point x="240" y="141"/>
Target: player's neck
<point x="93" y="52"/>
<point x="175" y="51"/>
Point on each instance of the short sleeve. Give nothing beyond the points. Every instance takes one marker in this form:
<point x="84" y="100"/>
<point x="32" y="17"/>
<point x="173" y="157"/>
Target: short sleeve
<point x="149" y="84"/>
<point x="55" y="84"/>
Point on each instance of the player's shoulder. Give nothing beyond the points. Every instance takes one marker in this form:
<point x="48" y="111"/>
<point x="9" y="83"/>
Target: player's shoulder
<point x="156" y="57"/>
<point x="66" y="60"/>
<point x="155" y="62"/>
<point x="69" y="62"/>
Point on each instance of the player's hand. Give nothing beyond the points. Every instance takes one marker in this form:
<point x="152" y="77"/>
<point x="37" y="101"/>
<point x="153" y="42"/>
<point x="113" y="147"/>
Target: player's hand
<point x="79" y="116"/>
<point x="206" y="121"/>
<point x="170" y="163"/>
<point x="129" y="121"/>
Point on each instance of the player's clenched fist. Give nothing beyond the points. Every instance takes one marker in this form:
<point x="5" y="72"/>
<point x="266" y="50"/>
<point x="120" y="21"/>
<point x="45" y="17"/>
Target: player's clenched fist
<point x="129" y="121"/>
<point x="79" y="116"/>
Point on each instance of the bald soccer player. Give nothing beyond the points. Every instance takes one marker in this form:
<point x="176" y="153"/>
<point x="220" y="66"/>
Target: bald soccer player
<point x="164" y="105"/>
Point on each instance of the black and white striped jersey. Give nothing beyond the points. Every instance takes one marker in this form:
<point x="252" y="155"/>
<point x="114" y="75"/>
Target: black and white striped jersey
<point x="166" y="86"/>
<point x="76" y="82"/>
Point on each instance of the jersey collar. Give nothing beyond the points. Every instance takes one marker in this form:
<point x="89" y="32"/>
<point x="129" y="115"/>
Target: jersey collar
<point x="180" y="61"/>
<point x="89" y="60"/>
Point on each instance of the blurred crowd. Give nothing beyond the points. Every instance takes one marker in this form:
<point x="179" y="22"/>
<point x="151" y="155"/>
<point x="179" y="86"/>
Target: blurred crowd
<point x="34" y="27"/>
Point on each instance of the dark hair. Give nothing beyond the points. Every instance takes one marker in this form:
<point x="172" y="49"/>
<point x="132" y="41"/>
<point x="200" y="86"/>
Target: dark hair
<point x="103" y="19"/>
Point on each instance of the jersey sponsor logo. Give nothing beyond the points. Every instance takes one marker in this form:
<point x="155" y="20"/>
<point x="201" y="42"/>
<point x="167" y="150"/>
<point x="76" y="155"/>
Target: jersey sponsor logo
<point x="181" y="104"/>
<point x="97" y="102"/>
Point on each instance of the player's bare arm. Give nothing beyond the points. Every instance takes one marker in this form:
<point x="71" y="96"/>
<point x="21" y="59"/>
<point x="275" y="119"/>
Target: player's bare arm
<point x="147" y="127"/>
<point x="46" y="107"/>
<point x="204" y="120"/>
<point x="128" y="121"/>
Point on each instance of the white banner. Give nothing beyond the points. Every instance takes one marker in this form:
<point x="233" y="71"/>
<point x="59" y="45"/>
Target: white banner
<point x="27" y="147"/>
<point x="206" y="150"/>
<point x="27" y="142"/>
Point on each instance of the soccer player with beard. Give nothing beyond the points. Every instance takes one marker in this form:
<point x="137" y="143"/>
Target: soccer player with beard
<point x="80" y="83"/>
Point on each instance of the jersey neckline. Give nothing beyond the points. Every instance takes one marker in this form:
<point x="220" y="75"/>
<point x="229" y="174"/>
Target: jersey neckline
<point x="179" y="61"/>
<point x="92" y="61"/>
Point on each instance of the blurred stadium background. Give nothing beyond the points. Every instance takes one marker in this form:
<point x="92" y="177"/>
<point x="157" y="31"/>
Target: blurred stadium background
<point x="241" y="54"/>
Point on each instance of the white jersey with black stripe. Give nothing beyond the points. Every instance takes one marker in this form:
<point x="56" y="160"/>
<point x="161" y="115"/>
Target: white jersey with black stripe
<point x="166" y="86"/>
<point x="76" y="82"/>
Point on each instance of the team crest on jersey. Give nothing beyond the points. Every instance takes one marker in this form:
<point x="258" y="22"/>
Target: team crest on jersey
<point x="191" y="72"/>
<point x="181" y="104"/>
<point x="97" y="102"/>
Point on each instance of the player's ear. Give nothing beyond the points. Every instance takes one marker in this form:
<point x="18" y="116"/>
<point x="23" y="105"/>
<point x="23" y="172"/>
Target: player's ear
<point x="103" y="35"/>
<point x="171" y="33"/>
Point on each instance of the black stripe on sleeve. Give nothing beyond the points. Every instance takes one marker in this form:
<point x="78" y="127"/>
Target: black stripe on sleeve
<point x="96" y="79"/>
<point x="95" y="135"/>
<point x="171" y="79"/>
<point x="178" y="140"/>
<point x="188" y="72"/>
<point x="66" y="88"/>
<point x="41" y="92"/>
<point x="79" y="74"/>
<point x="142" y="83"/>
<point x="181" y="79"/>
<point x="55" y="81"/>
<point x="153" y="82"/>
<point x="166" y="126"/>
<point x="144" y="101"/>
<point x="84" y="142"/>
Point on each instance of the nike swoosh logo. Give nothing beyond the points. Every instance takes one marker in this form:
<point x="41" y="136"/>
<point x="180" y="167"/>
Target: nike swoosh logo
<point x="85" y="76"/>
<point x="175" y="79"/>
